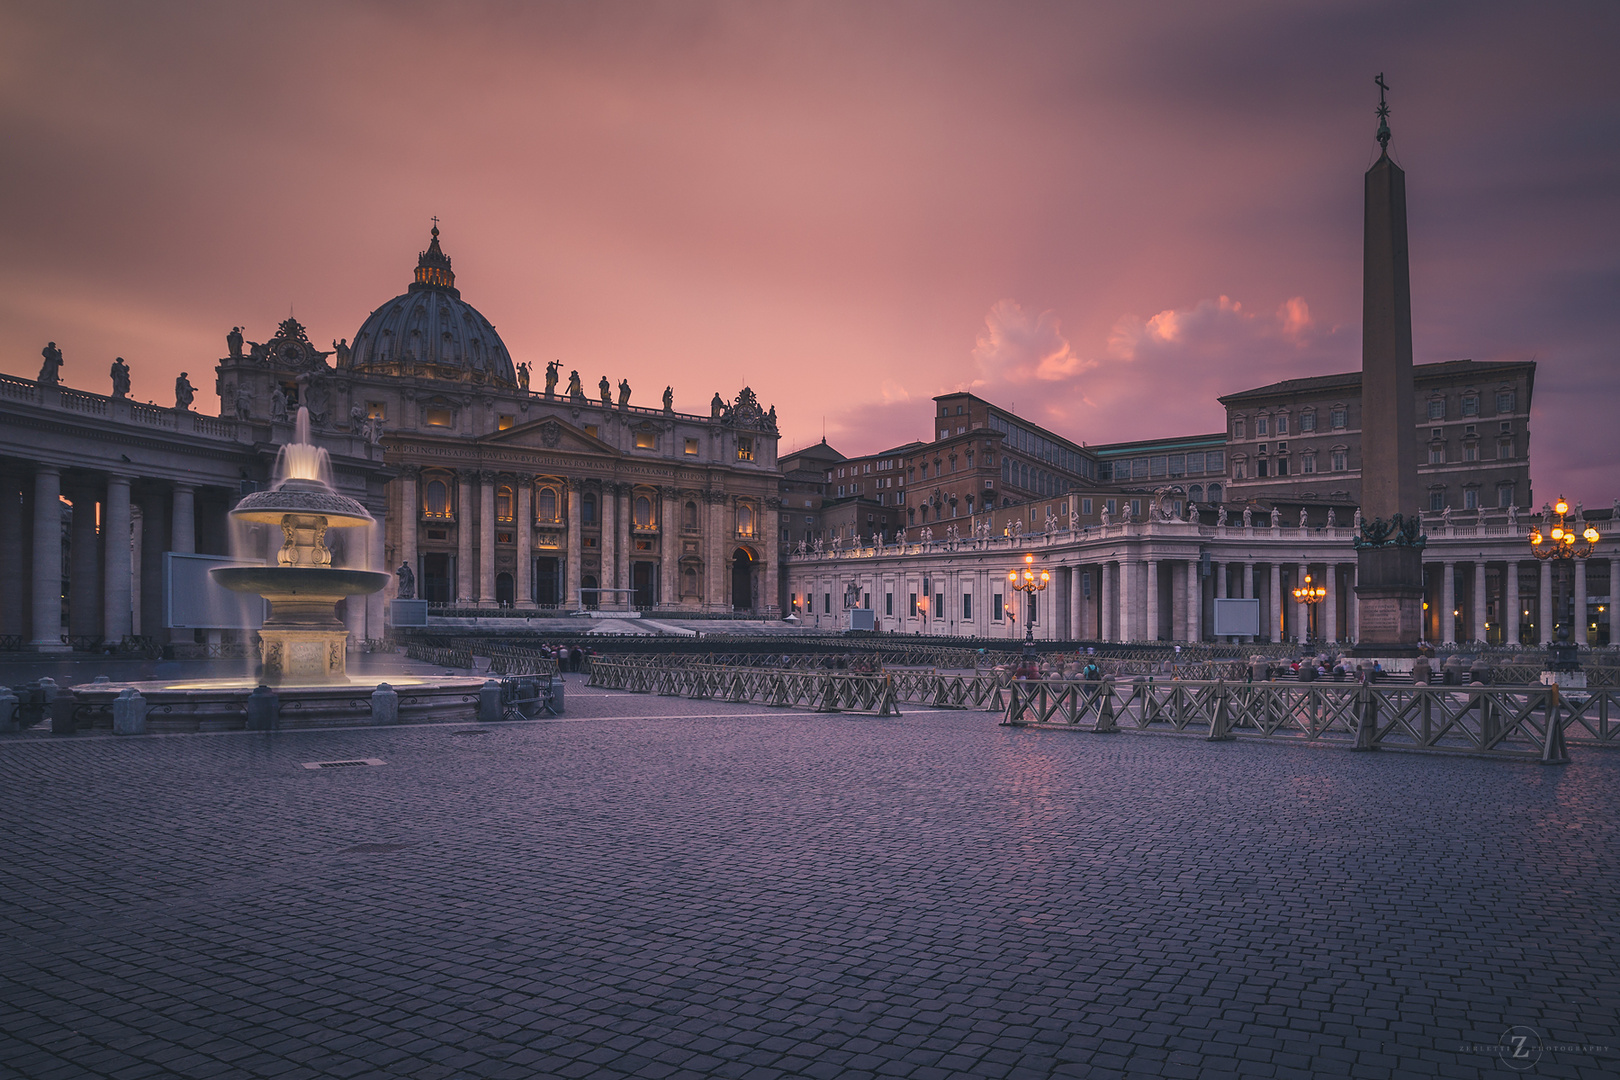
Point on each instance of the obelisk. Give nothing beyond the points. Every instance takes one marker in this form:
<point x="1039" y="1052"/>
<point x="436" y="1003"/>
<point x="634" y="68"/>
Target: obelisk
<point x="1389" y="556"/>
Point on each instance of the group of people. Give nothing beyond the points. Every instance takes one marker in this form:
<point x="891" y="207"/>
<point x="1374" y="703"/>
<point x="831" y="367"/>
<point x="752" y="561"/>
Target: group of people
<point x="568" y="657"/>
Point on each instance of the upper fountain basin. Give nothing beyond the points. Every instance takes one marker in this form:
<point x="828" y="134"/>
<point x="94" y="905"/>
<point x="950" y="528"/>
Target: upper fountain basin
<point x="298" y="496"/>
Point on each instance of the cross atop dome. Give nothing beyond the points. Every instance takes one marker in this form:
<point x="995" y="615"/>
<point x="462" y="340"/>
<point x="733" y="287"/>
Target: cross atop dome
<point x="433" y="266"/>
<point x="1383" y="118"/>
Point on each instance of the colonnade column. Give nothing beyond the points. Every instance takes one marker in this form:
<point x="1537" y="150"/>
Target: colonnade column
<point x="1302" y="612"/>
<point x="464" y="539"/>
<point x="47" y="562"/>
<point x="407" y="482"/>
<point x="1513" y="608"/>
<point x="11" y="553"/>
<point x="1448" y="603"/>
<point x="1274" y="603"/>
<point x="486" y="539"/>
<point x="1614" y="601"/>
<point x="377" y="556"/>
<point x="770" y="538"/>
<point x="573" y="559"/>
<point x="1352" y="620"/>
<point x="1330" y="615"/>
<point x="1077" y="631"/>
<point x="1127" y="599"/>
<point x="1151" y="631"/>
<point x="1105" y="610"/>
<point x="610" y="543"/>
<point x="183" y="532"/>
<point x="714" y="593"/>
<point x="1546" y="605"/>
<point x="1195" y="602"/>
<point x="84" y="569"/>
<point x="1248" y="585"/>
<point x="669" y="542"/>
<point x="1579" y="616"/>
<point x="1479" y="601"/>
<point x="116" y="569"/>
<point x="524" y="593"/>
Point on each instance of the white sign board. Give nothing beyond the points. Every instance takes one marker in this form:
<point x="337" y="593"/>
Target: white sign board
<point x="861" y="618"/>
<point x="193" y="600"/>
<point x="408" y="613"/>
<point x="1237" y="618"/>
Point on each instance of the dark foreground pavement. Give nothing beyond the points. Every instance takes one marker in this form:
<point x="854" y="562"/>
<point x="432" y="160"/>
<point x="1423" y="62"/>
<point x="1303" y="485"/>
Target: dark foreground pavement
<point x="728" y="891"/>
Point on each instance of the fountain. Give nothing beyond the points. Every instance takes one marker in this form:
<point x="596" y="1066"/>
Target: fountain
<point x="302" y="643"/>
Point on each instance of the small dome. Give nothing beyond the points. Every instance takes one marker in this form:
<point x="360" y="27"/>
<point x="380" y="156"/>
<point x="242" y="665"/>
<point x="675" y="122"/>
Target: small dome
<point x="430" y="330"/>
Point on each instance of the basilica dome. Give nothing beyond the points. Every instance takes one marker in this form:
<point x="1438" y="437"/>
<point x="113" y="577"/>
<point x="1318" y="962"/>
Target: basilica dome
<point x="429" y="330"/>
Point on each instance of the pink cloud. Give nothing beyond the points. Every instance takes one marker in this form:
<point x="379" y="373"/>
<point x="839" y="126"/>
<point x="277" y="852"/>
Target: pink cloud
<point x="1017" y="346"/>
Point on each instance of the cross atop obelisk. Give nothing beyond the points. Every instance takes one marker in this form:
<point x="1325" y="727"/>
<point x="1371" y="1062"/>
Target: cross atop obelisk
<point x="1390" y="590"/>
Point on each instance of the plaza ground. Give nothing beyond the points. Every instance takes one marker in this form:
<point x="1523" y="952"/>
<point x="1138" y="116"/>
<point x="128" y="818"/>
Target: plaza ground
<point x="668" y="888"/>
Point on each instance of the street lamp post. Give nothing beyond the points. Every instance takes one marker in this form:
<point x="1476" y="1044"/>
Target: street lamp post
<point x="1029" y="581"/>
<point x="1309" y="595"/>
<point x="1559" y="543"/>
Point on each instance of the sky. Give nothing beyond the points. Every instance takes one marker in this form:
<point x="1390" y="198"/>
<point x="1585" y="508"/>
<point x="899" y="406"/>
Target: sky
<point x="1102" y="215"/>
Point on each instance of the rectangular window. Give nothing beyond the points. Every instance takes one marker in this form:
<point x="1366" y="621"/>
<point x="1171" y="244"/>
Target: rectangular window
<point x="1112" y="505"/>
<point x="1178" y="463"/>
<point x="1239" y="430"/>
<point x="967" y="605"/>
<point x="888" y="603"/>
<point x="1195" y="463"/>
<point x="1307" y="421"/>
<point x="1282" y="425"/>
<point x="1136" y="507"/>
<point x="1282" y="466"/>
<point x="913" y="605"/>
<point x="1437" y="455"/>
<point x="1437" y="500"/>
<point x="995" y="607"/>
<point x="1139" y="468"/>
<point x="826" y="603"/>
<point x="1262" y="425"/>
<point x="1215" y="461"/>
<point x="376" y="410"/>
<point x="1085" y="506"/>
<point x="745" y="448"/>
<point x="1240" y="472"/>
<point x="1437" y="409"/>
<point x="437" y="417"/>
<point x="1470" y="452"/>
<point x="1504" y="495"/>
<point x="1470" y="406"/>
<point x="939" y="605"/>
<point x="1309" y="463"/>
<point x="1341" y="461"/>
<point x="1159" y="466"/>
<point x="646" y="440"/>
<point x="1340" y="418"/>
<point x="503" y="422"/>
<point x="1470" y="499"/>
<point x="1260" y="467"/>
<point x="1504" y="401"/>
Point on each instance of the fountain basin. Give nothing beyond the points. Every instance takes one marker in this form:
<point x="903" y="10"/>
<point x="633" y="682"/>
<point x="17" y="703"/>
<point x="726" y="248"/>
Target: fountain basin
<point x="302" y="643"/>
<point x="221" y="704"/>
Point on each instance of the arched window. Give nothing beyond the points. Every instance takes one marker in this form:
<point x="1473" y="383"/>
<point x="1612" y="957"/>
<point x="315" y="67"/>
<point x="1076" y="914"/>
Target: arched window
<point x="503" y="503"/>
<point x="545" y="506"/>
<point x="689" y="517"/>
<point x="1196" y="493"/>
<point x="643" y="512"/>
<point x="1214" y="493"/>
<point x="745" y="520"/>
<point x="587" y="508"/>
<point x="436" y="499"/>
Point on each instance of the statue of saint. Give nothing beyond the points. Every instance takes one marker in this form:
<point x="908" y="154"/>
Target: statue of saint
<point x="576" y="392"/>
<point x="120" y="378"/>
<point x="1248" y="517"/>
<point x="669" y="399"/>
<point x="1302" y="517"/>
<point x="523" y="375"/>
<point x="605" y="388"/>
<point x="407" y="582"/>
<point x="233" y="342"/>
<point x="50" y="373"/>
<point x="1276" y="518"/>
<point x="184" y="392"/>
<point x="1332" y="518"/>
<point x="624" y="393"/>
<point x="244" y="401"/>
<point x="553" y="373"/>
<point x="1356" y="521"/>
<point x="717" y="407"/>
<point x="1513" y="514"/>
<point x="278" y="404"/>
<point x="345" y="355"/>
<point x="770" y="418"/>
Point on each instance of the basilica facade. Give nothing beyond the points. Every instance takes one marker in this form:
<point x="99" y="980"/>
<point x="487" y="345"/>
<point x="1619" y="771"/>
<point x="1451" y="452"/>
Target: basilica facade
<point x="563" y="496"/>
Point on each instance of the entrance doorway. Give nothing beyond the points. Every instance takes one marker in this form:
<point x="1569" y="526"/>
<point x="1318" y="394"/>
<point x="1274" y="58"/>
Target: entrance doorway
<point x="592" y="598"/>
<point x="742" y="580"/>
<point x="503" y="590"/>
<point x="546" y="586"/>
<point x="437" y="576"/>
<point x="644" y="579"/>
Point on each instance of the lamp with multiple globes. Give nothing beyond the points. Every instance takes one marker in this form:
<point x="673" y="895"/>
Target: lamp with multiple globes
<point x="1309" y="595"/>
<point x="1559" y="544"/>
<point x="1029" y="581"/>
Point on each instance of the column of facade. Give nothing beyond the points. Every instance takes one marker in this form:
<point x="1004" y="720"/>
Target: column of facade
<point x="1127" y="599"/>
<point x="1330" y="616"/>
<point x="1448" y="603"/>
<point x="1077" y="630"/>
<point x="714" y="590"/>
<point x="1579" y="616"/>
<point x="116" y="570"/>
<point x="1248" y="587"/>
<point x="464" y="540"/>
<point x="376" y="540"/>
<point x="486" y="539"/>
<point x="611" y="554"/>
<point x="524" y="592"/>
<point x="1479" y="601"/>
<point x="1151" y="605"/>
<point x="1546" y="604"/>
<point x="771" y="541"/>
<point x="84" y="567"/>
<point x="572" y="560"/>
<point x="624" y="508"/>
<point x="183" y="529"/>
<point x="1195" y="602"/>
<point x="1614" y="601"/>
<point x="155" y="523"/>
<point x="669" y="545"/>
<point x="1513" y="608"/>
<point x="1274" y="603"/>
<point x="47" y="561"/>
<point x="1106" y="611"/>
<point x="407" y="483"/>
<point x="1352" y="621"/>
<point x="12" y="579"/>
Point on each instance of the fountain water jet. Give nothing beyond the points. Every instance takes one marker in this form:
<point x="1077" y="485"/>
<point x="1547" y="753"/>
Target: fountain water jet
<point x="302" y="642"/>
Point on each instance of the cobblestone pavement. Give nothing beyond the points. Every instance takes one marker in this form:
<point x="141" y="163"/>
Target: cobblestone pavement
<point x="666" y="888"/>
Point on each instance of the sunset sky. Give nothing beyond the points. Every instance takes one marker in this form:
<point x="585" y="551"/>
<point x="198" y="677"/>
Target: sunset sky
<point x="1104" y="215"/>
